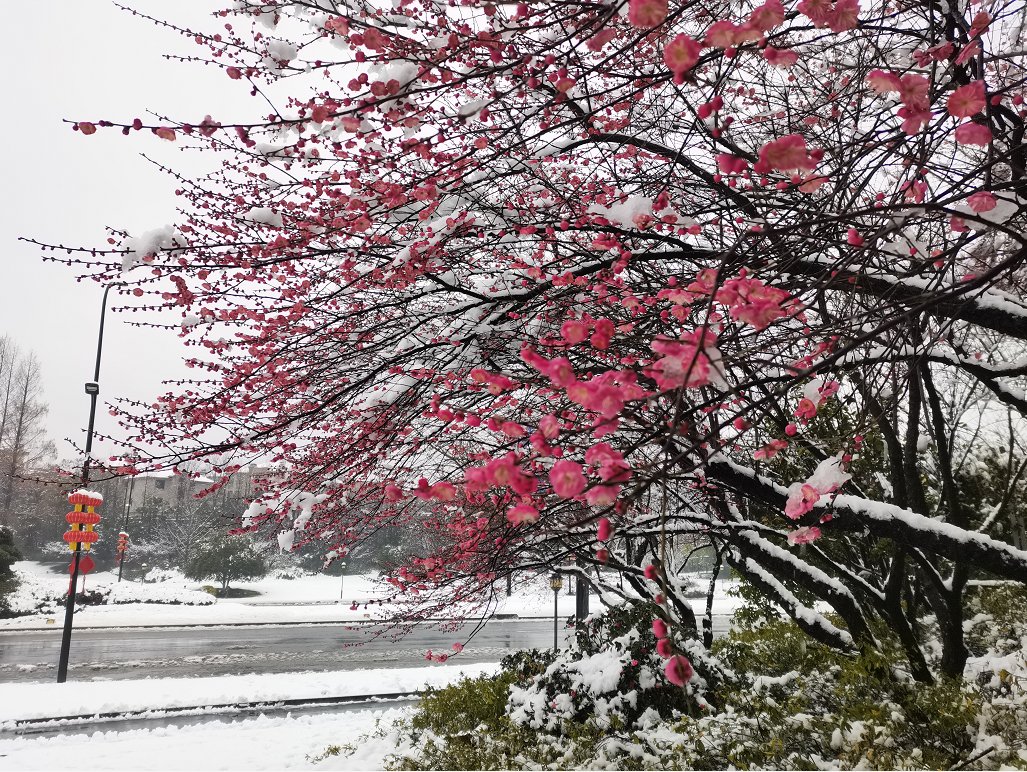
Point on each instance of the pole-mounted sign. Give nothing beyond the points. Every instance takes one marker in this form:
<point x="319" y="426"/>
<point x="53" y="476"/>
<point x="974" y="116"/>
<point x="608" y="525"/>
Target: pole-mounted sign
<point x="122" y="549"/>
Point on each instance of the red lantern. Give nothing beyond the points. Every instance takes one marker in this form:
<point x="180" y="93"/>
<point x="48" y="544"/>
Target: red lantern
<point x="82" y="520"/>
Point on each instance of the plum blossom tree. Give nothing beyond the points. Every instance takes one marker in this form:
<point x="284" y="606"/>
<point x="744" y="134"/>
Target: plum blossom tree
<point x="566" y="281"/>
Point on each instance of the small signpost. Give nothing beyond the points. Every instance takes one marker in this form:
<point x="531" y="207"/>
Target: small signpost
<point x="122" y="548"/>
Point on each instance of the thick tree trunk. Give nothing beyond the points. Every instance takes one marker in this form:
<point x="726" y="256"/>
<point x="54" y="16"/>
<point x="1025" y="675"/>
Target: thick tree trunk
<point x="581" y="593"/>
<point x="896" y="618"/>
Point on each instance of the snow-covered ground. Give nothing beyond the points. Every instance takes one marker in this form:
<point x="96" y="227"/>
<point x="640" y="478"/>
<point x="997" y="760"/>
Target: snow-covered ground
<point x="265" y="742"/>
<point x="22" y="701"/>
<point x="309" y="599"/>
<point x="262" y="743"/>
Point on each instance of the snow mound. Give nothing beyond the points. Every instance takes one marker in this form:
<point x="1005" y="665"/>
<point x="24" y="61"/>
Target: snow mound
<point x="173" y="592"/>
<point x="42" y="592"/>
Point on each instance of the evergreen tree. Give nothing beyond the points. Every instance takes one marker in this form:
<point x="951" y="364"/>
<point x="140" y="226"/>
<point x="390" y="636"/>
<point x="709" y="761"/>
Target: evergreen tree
<point x="226" y="558"/>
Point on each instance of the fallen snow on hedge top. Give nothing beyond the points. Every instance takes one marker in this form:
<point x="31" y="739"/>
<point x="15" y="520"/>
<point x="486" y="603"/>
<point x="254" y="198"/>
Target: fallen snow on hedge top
<point x="171" y="591"/>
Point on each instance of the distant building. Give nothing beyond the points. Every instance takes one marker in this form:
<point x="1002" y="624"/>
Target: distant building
<point x="165" y="487"/>
<point x="176" y="489"/>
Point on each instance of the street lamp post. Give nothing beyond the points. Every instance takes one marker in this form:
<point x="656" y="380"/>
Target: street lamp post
<point x="556" y="582"/>
<point x="93" y="390"/>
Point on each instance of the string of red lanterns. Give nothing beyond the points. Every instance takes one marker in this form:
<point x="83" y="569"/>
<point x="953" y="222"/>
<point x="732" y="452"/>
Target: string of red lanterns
<point x="83" y="520"/>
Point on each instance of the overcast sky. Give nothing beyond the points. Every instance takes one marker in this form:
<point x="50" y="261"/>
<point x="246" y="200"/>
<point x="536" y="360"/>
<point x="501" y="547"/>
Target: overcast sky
<point x="88" y="61"/>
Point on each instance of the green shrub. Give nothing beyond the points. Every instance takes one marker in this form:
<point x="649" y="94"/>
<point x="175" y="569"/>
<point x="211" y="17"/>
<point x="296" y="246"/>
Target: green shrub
<point x="996" y="615"/>
<point x="468" y="706"/>
<point x="9" y="553"/>
<point x="7" y="586"/>
<point x="465" y="726"/>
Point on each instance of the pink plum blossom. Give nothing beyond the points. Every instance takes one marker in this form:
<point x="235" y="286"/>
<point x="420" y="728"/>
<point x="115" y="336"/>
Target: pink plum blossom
<point x="567" y="479"/>
<point x="801" y="499"/>
<point x="982" y="201"/>
<point x="678" y="670"/>
<point x="967" y="100"/>
<point x="680" y="56"/>
<point x="804" y="535"/>
<point x="602" y="495"/>
<point x="780" y="57"/>
<point x="684" y="363"/>
<point x="973" y="134"/>
<point x="767" y="16"/>
<point x="646" y="13"/>
<point x="789" y="153"/>
<point x="521" y="513"/>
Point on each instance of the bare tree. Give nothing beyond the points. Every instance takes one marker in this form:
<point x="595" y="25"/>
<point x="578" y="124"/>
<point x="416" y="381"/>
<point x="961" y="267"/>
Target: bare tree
<point x="8" y="360"/>
<point x="23" y="442"/>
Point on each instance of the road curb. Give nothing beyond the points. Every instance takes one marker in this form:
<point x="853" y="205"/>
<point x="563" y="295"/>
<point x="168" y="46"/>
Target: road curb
<point x="192" y="625"/>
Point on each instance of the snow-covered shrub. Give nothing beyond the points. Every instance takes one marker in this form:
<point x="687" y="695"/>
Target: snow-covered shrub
<point x="155" y="575"/>
<point x="289" y="572"/>
<point x="42" y="593"/>
<point x="551" y="709"/>
<point x="796" y="704"/>
<point x="7" y="587"/>
<point x="170" y="592"/>
<point x="613" y="676"/>
<point x="784" y="702"/>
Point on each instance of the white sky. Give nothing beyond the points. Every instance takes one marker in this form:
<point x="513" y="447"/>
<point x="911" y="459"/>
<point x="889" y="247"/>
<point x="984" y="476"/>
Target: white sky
<point x="88" y="61"/>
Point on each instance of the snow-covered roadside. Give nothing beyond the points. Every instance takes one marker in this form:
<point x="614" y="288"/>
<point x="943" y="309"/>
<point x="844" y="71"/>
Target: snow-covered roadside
<point x="262" y="743"/>
<point x="21" y="701"/>
<point x="310" y="600"/>
<point x="265" y="742"/>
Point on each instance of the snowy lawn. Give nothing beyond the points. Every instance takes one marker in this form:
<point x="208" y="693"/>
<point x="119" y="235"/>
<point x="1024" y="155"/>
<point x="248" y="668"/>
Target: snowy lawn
<point x="309" y="599"/>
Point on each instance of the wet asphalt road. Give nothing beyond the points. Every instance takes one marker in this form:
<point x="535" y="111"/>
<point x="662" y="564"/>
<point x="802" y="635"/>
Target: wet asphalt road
<point x="206" y="651"/>
<point x="105" y="654"/>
